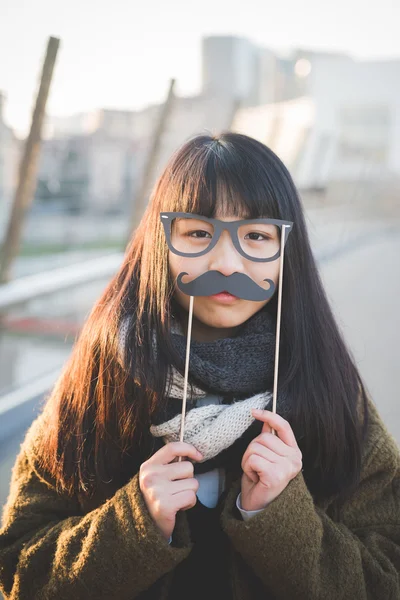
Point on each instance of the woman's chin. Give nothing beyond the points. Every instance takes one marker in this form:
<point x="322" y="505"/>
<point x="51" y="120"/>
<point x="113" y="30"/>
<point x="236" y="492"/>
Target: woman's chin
<point x="223" y="318"/>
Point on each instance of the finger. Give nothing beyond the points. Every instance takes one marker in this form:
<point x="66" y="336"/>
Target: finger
<point x="176" y="487"/>
<point x="274" y="443"/>
<point x="255" y="466"/>
<point x="279" y="424"/>
<point x="252" y="476"/>
<point x="184" y="500"/>
<point x="179" y="470"/>
<point x="170" y="451"/>
<point x="267" y="428"/>
<point x="271" y="475"/>
<point x="260" y="450"/>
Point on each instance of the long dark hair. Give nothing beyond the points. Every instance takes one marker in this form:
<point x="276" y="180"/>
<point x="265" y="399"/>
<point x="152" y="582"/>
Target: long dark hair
<point x="99" y="412"/>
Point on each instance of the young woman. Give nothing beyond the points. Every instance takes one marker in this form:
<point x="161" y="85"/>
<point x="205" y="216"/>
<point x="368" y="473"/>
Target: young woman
<point x="303" y="504"/>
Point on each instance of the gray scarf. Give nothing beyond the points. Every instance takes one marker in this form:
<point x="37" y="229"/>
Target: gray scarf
<point x="239" y="366"/>
<point x="236" y="372"/>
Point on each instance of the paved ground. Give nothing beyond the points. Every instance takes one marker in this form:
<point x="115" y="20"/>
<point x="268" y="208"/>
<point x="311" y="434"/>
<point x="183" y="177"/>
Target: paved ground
<point x="364" y="288"/>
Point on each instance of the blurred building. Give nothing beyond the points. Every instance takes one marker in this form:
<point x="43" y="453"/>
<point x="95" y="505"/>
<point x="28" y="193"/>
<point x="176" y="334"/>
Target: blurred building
<point x="338" y="119"/>
<point x="230" y="67"/>
<point x="94" y="161"/>
<point x="9" y="155"/>
<point x="235" y="67"/>
<point x="93" y="172"/>
<point x="115" y="123"/>
<point x="329" y="117"/>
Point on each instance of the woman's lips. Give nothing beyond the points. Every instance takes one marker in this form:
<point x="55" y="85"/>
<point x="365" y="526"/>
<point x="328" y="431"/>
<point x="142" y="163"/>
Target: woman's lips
<point x="225" y="297"/>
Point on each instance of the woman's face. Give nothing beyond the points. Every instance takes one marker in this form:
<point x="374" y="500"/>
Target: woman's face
<point x="213" y="317"/>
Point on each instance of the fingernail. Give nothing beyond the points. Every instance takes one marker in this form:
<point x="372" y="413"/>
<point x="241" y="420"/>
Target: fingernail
<point x="256" y="411"/>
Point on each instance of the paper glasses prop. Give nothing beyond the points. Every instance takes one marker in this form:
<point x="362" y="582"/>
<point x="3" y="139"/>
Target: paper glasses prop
<point x="179" y="229"/>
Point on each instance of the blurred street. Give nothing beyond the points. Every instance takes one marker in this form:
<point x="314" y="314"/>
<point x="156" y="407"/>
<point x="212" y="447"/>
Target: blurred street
<point x="364" y="287"/>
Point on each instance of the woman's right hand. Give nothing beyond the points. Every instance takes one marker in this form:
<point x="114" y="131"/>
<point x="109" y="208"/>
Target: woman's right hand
<point x="169" y="486"/>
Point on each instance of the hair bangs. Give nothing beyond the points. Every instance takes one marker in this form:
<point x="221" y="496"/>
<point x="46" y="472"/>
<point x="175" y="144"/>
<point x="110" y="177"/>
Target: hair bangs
<point x="214" y="176"/>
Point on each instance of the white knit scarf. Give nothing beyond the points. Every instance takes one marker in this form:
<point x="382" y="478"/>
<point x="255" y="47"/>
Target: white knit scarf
<point x="212" y="428"/>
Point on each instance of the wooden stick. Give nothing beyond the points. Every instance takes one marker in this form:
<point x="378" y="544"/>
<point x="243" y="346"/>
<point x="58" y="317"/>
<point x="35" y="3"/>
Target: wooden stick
<point x="28" y="167"/>
<point x="278" y="323"/>
<point x="189" y="336"/>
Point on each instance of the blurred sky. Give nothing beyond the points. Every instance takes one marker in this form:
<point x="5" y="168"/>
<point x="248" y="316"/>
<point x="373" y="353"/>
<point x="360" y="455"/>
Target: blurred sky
<point x="120" y="54"/>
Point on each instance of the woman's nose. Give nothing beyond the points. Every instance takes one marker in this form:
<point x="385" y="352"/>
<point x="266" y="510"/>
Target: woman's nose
<point x="224" y="257"/>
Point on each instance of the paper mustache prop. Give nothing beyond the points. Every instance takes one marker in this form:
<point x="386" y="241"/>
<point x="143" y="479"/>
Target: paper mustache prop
<point x="237" y="284"/>
<point x="179" y="229"/>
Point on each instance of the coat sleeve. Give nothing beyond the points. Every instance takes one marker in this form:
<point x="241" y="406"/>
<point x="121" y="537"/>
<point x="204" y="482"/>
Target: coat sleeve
<point x="49" y="549"/>
<point x="298" y="551"/>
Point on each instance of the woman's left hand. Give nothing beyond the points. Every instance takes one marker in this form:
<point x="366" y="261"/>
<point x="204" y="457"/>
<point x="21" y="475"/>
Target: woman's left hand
<point x="269" y="462"/>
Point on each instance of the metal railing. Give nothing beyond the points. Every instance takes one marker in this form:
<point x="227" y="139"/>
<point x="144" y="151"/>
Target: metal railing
<point x="22" y="290"/>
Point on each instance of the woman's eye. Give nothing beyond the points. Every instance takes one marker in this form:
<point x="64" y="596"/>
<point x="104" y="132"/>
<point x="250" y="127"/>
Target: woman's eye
<point x="202" y="233"/>
<point x="254" y="236"/>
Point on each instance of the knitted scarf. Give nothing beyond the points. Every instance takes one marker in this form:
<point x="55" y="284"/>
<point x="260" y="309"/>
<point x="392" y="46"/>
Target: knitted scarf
<point x="230" y="376"/>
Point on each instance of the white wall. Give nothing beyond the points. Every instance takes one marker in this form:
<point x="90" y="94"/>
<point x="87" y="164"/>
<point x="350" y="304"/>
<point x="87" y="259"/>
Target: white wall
<point x="366" y="88"/>
<point x="231" y="68"/>
<point x="349" y="105"/>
